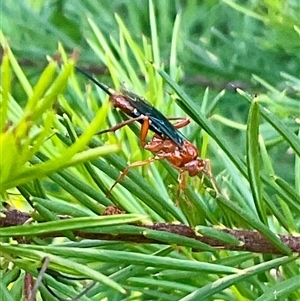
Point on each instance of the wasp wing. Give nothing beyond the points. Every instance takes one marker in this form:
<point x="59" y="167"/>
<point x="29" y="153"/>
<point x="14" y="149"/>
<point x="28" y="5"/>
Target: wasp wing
<point x="159" y="123"/>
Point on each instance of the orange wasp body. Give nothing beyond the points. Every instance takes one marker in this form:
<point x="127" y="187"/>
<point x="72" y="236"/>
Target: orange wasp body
<point x="185" y="159"/>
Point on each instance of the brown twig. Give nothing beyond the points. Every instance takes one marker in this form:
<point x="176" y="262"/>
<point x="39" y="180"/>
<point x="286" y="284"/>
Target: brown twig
<point x="251" y="241"/>
<point x="13" y="218"/>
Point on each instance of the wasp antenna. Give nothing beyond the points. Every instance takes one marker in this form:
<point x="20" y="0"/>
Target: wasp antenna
<point x="105" y="88"/>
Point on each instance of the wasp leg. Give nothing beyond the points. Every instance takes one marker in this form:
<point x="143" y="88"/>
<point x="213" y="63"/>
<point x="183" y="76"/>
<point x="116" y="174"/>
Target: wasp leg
<point x="121" y="124"/>
<point x="144" y="128"/>
<point x="182" y="180"/>
<point x="144" y="131"/>
<point x="208" y="172"/>
<point x="180" y="124"/>
<point x="127" y="169"/>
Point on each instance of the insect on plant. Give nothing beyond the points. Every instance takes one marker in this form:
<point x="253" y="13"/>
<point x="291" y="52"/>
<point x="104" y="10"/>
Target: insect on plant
<point x="167" y="143"/>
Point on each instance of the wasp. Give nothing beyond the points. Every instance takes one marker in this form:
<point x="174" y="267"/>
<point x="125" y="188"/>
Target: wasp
<point x="167" y="142"/>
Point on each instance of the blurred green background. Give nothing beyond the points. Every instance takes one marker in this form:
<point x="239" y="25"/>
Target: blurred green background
<point x="219" y="41"/>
